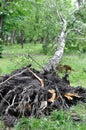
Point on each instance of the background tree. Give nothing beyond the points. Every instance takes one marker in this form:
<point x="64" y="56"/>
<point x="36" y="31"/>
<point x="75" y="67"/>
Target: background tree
<point x="44" y="22"/>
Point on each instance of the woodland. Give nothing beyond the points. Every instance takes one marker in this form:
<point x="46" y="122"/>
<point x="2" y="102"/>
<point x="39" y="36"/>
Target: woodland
<point x="58" y="27"/>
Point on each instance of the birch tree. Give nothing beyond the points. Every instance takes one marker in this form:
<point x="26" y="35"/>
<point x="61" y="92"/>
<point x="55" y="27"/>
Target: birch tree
<point x="56" y="58"/>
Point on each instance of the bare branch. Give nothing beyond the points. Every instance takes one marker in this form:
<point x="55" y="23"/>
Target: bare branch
<point x="77" y="38"/>
<point x="35" y="61"/>
<point x="60" y="16"/>
<point x="12" y="77"/>
<point x="76" y="9"/>
<point x="74" y="29"/>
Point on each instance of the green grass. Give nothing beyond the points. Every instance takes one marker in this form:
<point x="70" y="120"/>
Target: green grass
<point x="78" y="63"/>
<point x="19" y="57"/>
<point x="28" y="48"/>
<point x="58" y="120"/>
<point x="17" y="60"/>
<point x="6" y="66"/>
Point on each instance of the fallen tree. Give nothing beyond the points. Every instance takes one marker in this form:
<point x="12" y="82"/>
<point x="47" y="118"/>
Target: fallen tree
<point x="28" y="92"/>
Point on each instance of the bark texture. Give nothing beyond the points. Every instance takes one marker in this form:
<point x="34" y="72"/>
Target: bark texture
<point x="52" y="64"/>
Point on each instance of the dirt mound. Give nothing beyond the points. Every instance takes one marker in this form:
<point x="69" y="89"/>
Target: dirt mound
<point x="29" y="92"/>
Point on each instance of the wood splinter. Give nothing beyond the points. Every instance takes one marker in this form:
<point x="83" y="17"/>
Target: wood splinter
<point x="52" y="99"/>
<point x="70" y="96"/>
<point x="40" y="80"/>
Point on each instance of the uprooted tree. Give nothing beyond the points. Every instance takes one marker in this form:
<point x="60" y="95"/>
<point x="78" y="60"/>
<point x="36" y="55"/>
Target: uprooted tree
<point x="63" y="35"/>
<point x="28" y="92"/>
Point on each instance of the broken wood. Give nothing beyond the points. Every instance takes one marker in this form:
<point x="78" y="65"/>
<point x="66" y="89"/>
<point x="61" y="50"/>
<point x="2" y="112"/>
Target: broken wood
<point x="53" y="93"/>
<point x="71" y="95"/>
<point x="40" y="80"/>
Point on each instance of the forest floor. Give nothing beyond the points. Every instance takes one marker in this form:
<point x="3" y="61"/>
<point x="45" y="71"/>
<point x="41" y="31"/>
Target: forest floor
<point x="61" y="120"/>
<point x="19" y="59"/>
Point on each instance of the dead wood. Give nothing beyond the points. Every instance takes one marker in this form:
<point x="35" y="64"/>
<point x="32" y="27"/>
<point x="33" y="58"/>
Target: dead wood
<point x="28" y="92"/>
<point x="40" y="80"/>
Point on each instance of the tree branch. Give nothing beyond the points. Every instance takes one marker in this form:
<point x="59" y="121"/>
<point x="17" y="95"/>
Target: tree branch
<point x="74" y="29"/>
<point x="12" y="77"/>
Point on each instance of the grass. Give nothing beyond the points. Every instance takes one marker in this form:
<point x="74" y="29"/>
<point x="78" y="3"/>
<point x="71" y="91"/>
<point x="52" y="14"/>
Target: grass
<point x="15" y="57"/>
<point x="78" y="63"/>
<point x="28" y="48"/>
<point x="58" y="120"/>
<point x="11" y="62"/>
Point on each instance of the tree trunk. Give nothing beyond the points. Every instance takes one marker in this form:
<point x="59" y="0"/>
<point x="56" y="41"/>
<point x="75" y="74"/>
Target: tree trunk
<point x="1" y="22"/>
<point x="79" y="3"/>
<point x="2" y="17"/>
<point x="52" y="64"/>
<point x="54" y="61"/>
<point x="12" y="40"/>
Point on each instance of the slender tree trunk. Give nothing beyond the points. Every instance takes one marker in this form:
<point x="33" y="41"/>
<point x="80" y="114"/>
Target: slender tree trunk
<point x="1" y="22"/>
<point x="2" y="17"/>
<point x="52" y="64"/>
<point x="13" y="37"/>
<point x="22" y="38"/>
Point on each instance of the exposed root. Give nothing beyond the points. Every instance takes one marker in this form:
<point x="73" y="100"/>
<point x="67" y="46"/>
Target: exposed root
<point x="40" y="80"/>
<point x="24" y="93"/>
<point x="12" y="77"/>
<point x="70" y="96"/>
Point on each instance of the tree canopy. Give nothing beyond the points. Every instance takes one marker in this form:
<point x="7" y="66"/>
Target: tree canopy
<point x="39" y="21"/>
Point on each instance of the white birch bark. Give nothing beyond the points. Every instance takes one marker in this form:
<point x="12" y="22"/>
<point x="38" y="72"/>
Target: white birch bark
<point x="54" y="61"/>
<point x="59" y="51"/>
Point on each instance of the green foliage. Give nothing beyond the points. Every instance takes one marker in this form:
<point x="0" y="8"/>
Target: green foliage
<point x="76" y="39"/>
<point x="2" y="126"/>
<point x="39" y="21"/>
<point x="80" y="15"/>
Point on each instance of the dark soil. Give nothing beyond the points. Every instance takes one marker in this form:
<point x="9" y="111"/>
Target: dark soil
<point x="28" y="92"/>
